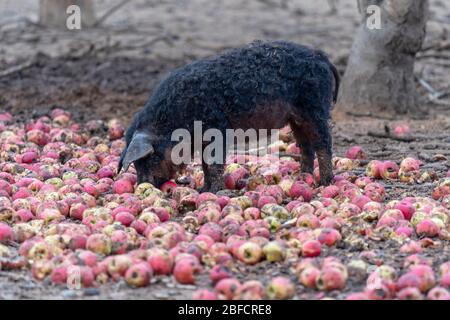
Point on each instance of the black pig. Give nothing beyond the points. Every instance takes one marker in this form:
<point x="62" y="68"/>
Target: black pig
<point x="262" y="85"/>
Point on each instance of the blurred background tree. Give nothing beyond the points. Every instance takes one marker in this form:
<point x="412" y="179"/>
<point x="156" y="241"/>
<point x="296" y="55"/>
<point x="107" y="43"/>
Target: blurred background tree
<point x="379" y="77"/>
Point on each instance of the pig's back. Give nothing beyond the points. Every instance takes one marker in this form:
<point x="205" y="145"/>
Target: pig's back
<point x="236" y="82"/>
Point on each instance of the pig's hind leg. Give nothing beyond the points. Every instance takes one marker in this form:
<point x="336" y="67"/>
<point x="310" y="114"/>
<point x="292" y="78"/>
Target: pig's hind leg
<point x="315" y="136"/>
<point x="302" y="138"/>
<point x="324" y="153"/>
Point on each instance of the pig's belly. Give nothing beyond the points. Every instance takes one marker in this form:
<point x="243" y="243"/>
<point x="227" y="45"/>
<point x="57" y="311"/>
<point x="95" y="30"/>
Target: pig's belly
<point x="270" y="116"/>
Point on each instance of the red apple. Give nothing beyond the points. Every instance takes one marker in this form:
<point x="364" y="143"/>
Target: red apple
<point x="204" y="294"/>
<point x="124" y="218"/>
<point x="355" y="152"/>
<point x="438" y="293"/>
<point x="168" y="187"/>
<point x="308" y="277"/>
<point x="99" y="243"/>
<point x="331" y="278"/>
<point x="358" y="296"/>
<point x="228" y="287"/>
<point x="274" y="251"/>
<point x="160" y="260"/>
<point x="123" y="186"/>
<point x="6" y="233"/>
<point x="249" y="253"/>
<point x="373" y="169"/>
<point x="185" y="271"/>
<point x="311" y="249"/>
<point x="219" y="272"/>
<point x="301" y="189"/>
<point x="138" y="275"/>
<point x="250" y="290"/>
<point x="280" y="288"/>
<point x="427" y="228"/>
<point x="389" y="170"/>
<point x="426" y="276"/>
<point x="329" y="236"/>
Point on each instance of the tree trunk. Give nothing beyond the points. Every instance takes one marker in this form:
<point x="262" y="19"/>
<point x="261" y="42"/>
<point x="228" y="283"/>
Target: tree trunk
<point x="380" y="74"/>
<point x="52" y="13"/>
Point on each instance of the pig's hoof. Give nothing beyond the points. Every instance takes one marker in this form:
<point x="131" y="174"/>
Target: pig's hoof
<point x="213" y="189"/>
<point x="204" y="189"/>
<point x="228" y="193"/>
<point x="326" y="181"/>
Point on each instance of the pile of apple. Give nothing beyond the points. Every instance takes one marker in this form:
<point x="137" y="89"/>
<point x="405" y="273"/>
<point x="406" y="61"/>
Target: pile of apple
<point x="68" y="216"/>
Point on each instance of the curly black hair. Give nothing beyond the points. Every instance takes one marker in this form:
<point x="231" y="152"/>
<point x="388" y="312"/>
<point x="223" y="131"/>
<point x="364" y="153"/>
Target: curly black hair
<point x="221" y="91"/>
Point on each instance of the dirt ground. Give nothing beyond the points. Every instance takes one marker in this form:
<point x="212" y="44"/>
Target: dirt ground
<point x="108" y="72"/>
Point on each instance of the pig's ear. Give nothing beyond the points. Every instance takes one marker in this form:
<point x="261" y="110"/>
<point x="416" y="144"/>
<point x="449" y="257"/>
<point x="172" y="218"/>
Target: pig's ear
<point x="140" y="147"/>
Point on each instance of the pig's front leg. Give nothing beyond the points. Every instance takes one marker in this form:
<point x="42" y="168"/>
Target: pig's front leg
<point x="213" y="172"/>
<point x="213" y="177"/>
<point x="142" y="171"/>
